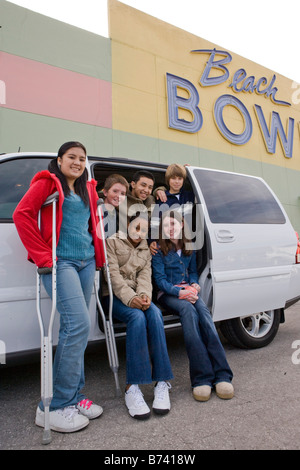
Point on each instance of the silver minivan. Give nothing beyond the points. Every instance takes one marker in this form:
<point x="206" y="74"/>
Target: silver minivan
<point x="247" y="260"/>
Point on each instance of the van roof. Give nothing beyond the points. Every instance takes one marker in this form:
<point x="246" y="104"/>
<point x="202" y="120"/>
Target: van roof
<point x="91" y="158"/>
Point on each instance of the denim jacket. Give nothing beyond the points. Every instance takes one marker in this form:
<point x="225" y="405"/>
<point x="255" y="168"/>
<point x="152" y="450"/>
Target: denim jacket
<point x="173" y="269"/>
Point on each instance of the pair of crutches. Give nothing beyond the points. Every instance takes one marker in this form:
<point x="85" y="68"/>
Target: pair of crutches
<point x="46" y="333"/>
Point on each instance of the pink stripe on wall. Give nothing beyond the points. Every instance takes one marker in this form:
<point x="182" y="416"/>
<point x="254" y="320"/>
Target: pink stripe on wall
<point x="39" y="88"/>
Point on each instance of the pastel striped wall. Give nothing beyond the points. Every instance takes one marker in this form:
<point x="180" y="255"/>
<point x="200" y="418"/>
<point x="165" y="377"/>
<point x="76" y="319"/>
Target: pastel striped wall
<point x="61" y="83"/>
<point x="57" y="84"/>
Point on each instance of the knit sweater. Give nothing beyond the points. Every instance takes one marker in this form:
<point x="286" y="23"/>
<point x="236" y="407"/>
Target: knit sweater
<point x="75" y="241"/>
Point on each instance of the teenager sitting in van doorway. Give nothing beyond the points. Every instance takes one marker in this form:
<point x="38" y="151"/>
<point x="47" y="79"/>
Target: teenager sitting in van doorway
<point x="175" y="177"/>
<point x="172" y="196"/>
<point x="114" y="194"/>
<point x="175" y="274"/>
<point x="78" y="254"/>
<point x="140" y="195"/>
<point x="147" y="358"/>
<point x="122" y="200"/>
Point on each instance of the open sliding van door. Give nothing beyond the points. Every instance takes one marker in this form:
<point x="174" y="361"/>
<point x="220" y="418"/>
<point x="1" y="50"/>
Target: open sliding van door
<point x="251" y="242"/>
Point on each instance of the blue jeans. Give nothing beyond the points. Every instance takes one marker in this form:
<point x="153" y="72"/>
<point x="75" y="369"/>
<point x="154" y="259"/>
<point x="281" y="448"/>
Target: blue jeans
<point x="147" y="357"/>
<point x="75" y="282"/>
<point x="208" y="363"/>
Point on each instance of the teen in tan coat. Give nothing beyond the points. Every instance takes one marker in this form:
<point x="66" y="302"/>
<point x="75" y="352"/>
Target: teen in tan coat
<point x="147" y="358"/>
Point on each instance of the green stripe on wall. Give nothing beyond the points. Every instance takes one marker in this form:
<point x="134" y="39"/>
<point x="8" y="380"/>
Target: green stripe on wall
<point x="36" y="133"/>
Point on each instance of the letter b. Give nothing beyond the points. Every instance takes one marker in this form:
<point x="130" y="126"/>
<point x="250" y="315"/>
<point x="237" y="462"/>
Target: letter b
<point x="190" y="104"/>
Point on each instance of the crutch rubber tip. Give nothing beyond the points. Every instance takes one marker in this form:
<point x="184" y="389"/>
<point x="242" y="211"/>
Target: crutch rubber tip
<point x="46" y="437"/>
<point x="118" y="392"/>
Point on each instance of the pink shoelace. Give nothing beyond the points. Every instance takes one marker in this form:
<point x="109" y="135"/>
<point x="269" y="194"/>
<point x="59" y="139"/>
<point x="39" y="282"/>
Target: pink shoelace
<point x="85" y="403"/>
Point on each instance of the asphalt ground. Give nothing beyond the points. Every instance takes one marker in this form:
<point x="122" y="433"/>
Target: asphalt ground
<point x="263" y="415"/>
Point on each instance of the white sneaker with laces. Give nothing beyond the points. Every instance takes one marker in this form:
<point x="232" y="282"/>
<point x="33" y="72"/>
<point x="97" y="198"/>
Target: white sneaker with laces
<point x="136" y="404"/>
<point x="89" y="409"/>
<point x="161" y="403"/>
<point x="63" y="420"/>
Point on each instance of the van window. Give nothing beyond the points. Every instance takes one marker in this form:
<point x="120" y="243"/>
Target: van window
<point x="15" y="177"/>
<point x="237" y="199"/>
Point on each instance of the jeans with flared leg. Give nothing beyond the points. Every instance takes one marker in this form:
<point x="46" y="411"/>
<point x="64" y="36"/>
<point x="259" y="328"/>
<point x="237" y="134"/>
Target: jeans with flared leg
<point x="147" y="357"/>
<point x="208" y="363"/>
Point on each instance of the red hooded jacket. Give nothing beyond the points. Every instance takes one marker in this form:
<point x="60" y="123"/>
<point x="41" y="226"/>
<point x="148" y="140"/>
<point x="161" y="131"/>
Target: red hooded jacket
<point x="38" y="243"/>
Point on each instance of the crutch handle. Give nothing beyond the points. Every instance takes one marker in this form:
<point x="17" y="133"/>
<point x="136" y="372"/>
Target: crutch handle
<point x="44" y="270"/>
<point x="50" y="199"/>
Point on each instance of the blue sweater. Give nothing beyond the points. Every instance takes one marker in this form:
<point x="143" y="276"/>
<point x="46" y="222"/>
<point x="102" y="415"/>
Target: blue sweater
<point x="75" y="241"/>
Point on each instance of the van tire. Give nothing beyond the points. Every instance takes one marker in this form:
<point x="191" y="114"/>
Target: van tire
<point x="238" y="332"/>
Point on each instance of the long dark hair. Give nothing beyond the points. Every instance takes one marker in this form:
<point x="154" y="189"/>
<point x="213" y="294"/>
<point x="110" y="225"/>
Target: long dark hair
<point x="165" y="244"/>
<point x="80" y="183"/>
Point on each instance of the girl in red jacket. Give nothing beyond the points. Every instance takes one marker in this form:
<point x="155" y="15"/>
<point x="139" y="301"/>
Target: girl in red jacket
<point x="78" y="254"/>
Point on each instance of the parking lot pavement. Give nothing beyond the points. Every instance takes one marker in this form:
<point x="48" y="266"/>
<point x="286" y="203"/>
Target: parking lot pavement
<point x="263" y="415"/>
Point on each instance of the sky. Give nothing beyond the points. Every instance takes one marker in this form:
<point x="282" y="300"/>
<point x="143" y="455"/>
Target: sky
<point x="264" y="31"/>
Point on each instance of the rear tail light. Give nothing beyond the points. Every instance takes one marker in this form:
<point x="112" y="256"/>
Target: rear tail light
<point x="298" y="249"/>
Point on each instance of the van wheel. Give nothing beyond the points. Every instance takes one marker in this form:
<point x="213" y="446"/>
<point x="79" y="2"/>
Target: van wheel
<point x="254" y="331"/>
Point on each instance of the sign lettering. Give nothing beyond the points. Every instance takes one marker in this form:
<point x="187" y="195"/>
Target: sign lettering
<point x="240" y="82"/>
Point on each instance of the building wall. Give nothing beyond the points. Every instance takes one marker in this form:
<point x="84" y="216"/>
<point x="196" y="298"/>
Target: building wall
<point x="60" y="83"/>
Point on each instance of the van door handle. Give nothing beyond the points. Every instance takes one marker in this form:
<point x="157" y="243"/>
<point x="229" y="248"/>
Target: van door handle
<point x="224" y="236"/>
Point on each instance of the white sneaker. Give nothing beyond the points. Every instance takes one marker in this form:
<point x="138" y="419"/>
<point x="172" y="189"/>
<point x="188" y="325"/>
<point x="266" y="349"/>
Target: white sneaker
<point x="161" y="403"/>
<point x="89" y="409"/>
<point x="63" y="420"/>
<point x="136" y="404"/>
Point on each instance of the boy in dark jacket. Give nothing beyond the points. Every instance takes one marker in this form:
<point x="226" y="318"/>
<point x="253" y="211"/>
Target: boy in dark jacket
<point x="175" y="177"/>
<point x="176" y="197"/>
